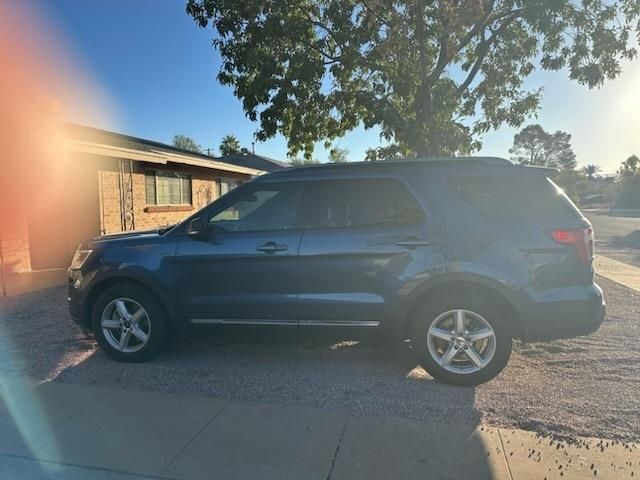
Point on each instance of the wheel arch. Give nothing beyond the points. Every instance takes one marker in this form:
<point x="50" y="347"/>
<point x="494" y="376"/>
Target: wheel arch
<point x="464" y="285"/>
<point x="101" y="286"/>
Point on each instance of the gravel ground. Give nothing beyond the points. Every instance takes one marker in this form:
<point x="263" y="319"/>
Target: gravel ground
<point x="587" y="386"/>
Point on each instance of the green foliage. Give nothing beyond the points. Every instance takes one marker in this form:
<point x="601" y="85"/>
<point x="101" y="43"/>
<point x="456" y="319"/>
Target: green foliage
<point x="391" y="152"/>
<point x="591" y="171"/>
<point x="229" y="145"/>
<point x="433" y="75"/>
<point x="338" y="155"/>
<point x="629" y="194"/>
<point x="534" y="146"/>
<point x="297" y="161"/>
<point x="630" y="167"/>
<point x="186" y="143"/>
<point x="573" y="183"/>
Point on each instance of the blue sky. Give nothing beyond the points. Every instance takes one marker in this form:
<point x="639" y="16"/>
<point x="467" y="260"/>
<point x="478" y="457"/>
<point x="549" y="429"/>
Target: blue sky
<point x="155" y="73"/>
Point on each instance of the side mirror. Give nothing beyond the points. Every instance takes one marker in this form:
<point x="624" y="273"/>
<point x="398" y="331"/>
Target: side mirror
<point x="196" y="229"/>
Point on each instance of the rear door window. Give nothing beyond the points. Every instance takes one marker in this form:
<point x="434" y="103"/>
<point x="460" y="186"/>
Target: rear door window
<point x="515" y="197"/>
<point x="362" y="203"/>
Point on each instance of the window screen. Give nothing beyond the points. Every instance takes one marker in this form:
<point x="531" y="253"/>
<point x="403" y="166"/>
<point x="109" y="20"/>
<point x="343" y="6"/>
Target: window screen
<point x="363" y="203"/>
<point x="167" y="188"/>
<point x="515" y="197"/>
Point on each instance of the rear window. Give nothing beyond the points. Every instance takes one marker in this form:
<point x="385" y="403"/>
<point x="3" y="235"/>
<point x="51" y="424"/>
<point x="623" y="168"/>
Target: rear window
<point x="515" y="197"/>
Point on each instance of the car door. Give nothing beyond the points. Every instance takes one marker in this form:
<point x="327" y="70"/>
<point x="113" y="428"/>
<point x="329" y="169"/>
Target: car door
<point x="243" y="270"/>
<point x="365" y="238"/>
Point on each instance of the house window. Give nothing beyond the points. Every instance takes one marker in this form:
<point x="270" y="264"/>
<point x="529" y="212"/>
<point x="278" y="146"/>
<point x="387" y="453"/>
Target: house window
<point x="227" y="184"/>
<point x="167" y="188"/>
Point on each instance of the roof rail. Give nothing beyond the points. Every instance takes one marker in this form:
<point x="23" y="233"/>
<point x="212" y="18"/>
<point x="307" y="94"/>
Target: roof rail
<point x="485" y="160"/>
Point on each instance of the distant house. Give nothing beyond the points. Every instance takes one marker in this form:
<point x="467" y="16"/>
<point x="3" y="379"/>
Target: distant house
<point x="244" y="158"/>
<point x="113" y="183"/>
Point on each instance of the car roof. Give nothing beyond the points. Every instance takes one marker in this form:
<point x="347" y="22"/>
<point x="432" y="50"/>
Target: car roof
<point x="488" y="164"/>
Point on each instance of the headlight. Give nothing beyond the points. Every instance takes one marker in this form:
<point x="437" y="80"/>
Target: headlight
<point x="79" y="258"/>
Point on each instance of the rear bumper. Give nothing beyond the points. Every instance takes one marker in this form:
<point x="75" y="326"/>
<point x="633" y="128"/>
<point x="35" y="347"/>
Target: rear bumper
<point x="563" y="313"/>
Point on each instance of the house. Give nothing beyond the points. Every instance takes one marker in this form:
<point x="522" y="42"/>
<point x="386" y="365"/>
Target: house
<point x="244" y="158"/>
<point x="110" y="183"/>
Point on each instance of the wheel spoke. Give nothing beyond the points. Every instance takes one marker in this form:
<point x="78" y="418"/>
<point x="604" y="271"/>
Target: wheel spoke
<point x="445" y="360"/>
<point x="122" y="309"/>
<point x="474" y="356"/>
<point x="440" y="333"/>
<point x="459" y="321"/>
<point x="139" y="315"/>
<point x="139" y="334"/>
<point x="124" y="339"/>
<point x="480" y="335"/>
<point x="111" y="324"/>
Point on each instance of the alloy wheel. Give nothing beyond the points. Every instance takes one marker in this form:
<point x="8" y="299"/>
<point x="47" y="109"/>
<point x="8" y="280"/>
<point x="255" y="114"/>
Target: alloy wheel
<point x="125" y="325"/>
<point x="461" y="341"/>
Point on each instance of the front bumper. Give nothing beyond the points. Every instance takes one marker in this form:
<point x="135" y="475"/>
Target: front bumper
<point x="75" y="299"/>
<point x="563" y="313"/>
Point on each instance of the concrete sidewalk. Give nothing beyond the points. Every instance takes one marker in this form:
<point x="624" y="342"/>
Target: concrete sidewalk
<point x="619" y="272"/>
<point x="68" y="431"/>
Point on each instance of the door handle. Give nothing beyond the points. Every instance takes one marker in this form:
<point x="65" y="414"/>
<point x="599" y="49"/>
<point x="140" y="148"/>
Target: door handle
<point x="271" y="247"/>
<point x="413" y="243"/>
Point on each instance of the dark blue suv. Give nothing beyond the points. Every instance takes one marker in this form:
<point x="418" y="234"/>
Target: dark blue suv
<point x="458" y="255"/>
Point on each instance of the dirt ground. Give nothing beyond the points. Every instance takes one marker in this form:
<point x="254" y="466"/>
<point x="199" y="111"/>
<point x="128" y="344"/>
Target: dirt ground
<point x="586" y="386"/>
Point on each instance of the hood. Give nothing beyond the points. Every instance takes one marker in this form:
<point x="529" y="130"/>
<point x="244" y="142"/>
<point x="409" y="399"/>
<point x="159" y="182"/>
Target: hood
<point x="122" y="238"/>
<point x="133" y="233"/>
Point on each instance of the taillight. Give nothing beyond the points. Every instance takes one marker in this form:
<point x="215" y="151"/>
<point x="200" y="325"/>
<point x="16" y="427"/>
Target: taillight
<point x="581" y="238"/>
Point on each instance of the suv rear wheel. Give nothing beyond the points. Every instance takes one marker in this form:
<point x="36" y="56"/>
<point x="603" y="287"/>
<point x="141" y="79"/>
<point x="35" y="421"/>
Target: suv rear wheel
<point x="129" y="323"/>
<point x="460" y="341"/>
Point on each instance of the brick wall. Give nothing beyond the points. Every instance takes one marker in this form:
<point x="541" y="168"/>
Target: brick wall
<point x="204" y="189"/>
<point x="90" y="206"/>
<point x="14" y="236"/>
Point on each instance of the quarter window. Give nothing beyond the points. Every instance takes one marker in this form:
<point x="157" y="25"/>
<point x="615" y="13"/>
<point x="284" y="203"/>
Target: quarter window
<point x="167" y="188"/>
<point x="364" y="203"/>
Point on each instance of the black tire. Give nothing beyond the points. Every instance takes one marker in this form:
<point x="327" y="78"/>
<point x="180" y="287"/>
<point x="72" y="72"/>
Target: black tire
<point x="156" y="319"/>
<point x="431" y="309"/>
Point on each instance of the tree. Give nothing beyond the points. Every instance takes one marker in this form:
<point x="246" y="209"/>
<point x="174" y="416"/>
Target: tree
<point x="338" y="155"/>
<point x="186" y="143"/>
<point x="630" y="167"/>
<point x="591" y="170"/>
<point x="229" y="145"/>
<point x="390" y="152"/>
<point x="432" y="75"/>
<point x="534" y="146"/>
<point x="573" y="183"/>
<point x="297" y="161"/>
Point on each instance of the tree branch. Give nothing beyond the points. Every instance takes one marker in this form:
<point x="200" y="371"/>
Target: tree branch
<point x="483" y="49"/>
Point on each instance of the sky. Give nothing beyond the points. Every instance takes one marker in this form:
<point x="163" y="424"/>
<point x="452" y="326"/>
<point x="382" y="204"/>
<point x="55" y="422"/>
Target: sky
<point x="149" y="71"/>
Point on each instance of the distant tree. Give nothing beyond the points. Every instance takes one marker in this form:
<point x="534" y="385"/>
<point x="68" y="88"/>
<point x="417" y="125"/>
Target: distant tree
<point x="391" y="152"/>
<point x="297" y="161"/>
<point x="338" y="155"/>
<point x="630" y="167"/>
<point x="229" y="145"/>
<point x="591" y="170"/>
<point x="534" y="146"/>
<point x="574" y="184"/>
<point x="186" y="143"/>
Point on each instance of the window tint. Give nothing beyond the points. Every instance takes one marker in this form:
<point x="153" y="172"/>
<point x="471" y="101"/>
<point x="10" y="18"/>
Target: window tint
<point x="515" y="197"/>
<point x="267" y="207"/>
<point x="363" y="203"/>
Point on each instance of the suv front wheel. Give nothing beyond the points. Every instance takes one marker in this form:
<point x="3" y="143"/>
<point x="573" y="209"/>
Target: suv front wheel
<point x="461" y="342"/>
<point x="129" y="323"/>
